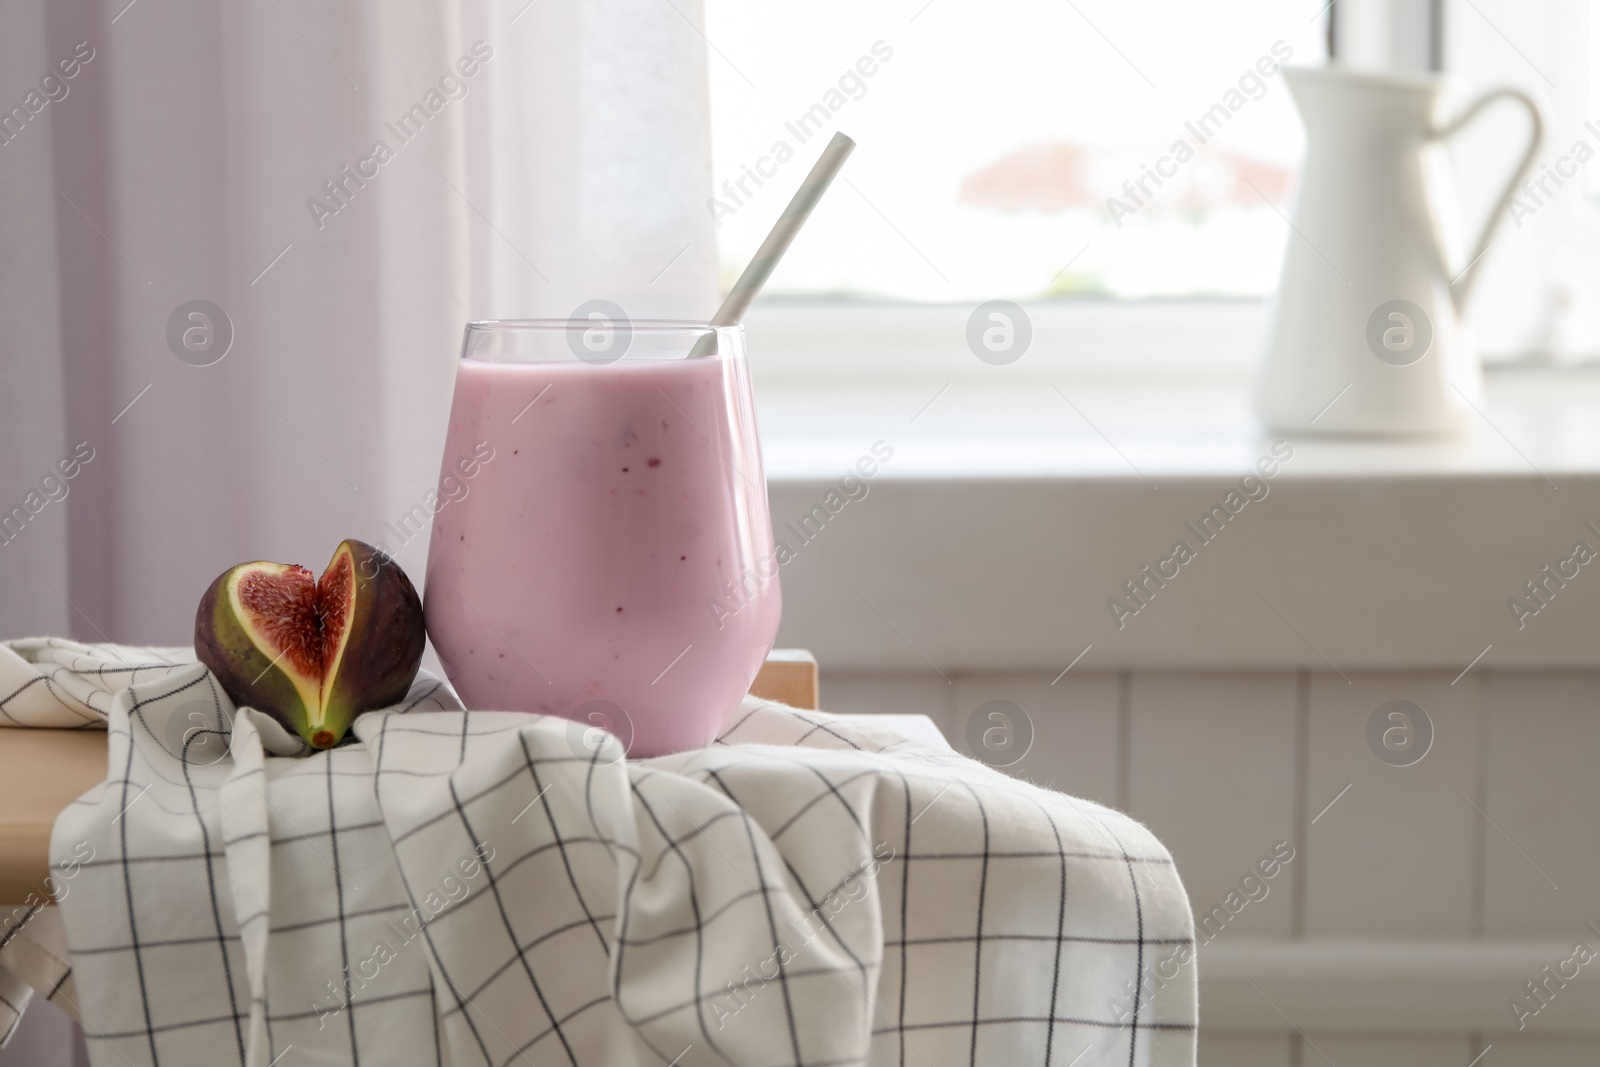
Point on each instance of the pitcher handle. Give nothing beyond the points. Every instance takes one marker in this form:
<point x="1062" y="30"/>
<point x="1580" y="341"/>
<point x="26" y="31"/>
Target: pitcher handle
<point x="1462" y="286"/>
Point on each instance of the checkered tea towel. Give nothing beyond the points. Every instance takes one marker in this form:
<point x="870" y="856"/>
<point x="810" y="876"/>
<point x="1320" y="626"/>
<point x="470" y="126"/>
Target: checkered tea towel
<point x="481" y="887"/>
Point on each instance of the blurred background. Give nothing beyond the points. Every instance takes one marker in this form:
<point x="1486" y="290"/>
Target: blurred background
<point x="225" y="159"/>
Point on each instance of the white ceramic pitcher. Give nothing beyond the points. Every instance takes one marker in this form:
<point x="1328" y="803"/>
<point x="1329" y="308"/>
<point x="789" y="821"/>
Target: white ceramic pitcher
<point x="1365" y="337"/>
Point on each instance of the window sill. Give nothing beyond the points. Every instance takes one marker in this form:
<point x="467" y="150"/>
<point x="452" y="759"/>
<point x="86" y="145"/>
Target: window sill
<point x="1012" y="520"/>
<point x="1531" y="421"/>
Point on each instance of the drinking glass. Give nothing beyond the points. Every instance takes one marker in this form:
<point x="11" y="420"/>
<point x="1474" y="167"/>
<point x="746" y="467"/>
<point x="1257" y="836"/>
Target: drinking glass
<point x="602" y="547"/>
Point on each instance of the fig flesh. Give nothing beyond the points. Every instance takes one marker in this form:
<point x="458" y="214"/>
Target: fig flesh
<point x="313" y="652"/>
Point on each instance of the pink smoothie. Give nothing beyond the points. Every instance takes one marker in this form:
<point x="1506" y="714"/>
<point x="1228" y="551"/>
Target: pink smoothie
<point x="617" y="546"/>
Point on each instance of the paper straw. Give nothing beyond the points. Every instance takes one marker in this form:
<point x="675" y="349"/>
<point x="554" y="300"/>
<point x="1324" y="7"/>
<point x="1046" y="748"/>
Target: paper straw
<point x="777" y="243"/>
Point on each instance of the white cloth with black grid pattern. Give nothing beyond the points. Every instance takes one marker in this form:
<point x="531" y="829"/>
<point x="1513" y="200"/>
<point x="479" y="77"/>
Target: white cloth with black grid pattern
<point x="496" y="888"/>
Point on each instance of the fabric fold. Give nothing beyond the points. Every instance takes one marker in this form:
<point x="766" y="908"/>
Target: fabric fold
<point x="476" y="887"/>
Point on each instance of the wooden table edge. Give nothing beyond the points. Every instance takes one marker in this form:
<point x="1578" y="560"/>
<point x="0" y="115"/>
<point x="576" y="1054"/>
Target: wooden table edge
<point x="43" y="771"/>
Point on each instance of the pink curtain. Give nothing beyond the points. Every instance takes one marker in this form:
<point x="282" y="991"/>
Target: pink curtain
<point x="343" y="186"/>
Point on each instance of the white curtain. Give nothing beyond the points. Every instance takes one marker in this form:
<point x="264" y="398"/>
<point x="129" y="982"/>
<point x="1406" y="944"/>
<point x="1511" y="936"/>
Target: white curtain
<point x="535" y="155"/>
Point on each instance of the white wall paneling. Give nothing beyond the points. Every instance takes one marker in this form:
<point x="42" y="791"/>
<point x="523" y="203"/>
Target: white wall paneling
<point x="1415" y="907"/>
<point x="1074" y="722"/>
<point x="1530" y="1049"/>
<point x="1543" y="796"/>
<point x="1220" y="821"/>
<point x="907" y="693"/>
<point x="1225" y="1049"/>
<point x="1371" y="1050"/>
<point x="1393" y="855"/>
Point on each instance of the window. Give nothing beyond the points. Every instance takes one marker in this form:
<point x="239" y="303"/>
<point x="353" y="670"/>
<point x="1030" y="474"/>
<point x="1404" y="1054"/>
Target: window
<point x="1028" y="149"/>
<point x="1018" y="149"/>
<point x="1536" y="296"/>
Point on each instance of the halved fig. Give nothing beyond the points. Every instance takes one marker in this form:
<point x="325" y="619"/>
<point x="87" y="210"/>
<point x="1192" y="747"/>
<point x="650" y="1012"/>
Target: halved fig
<point x="313" y="652"/>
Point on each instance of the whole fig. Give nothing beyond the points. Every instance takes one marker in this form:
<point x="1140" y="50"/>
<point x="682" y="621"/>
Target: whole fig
<point x="313" y="652"/>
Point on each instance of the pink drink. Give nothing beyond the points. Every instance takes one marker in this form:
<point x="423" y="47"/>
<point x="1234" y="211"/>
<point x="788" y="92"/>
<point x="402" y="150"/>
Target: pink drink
<point x="616" y="547"/>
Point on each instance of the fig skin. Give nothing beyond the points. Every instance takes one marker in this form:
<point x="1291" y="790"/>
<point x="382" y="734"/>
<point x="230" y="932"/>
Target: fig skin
<point x="387" y="635"/>
<point x="374" y="666"/>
